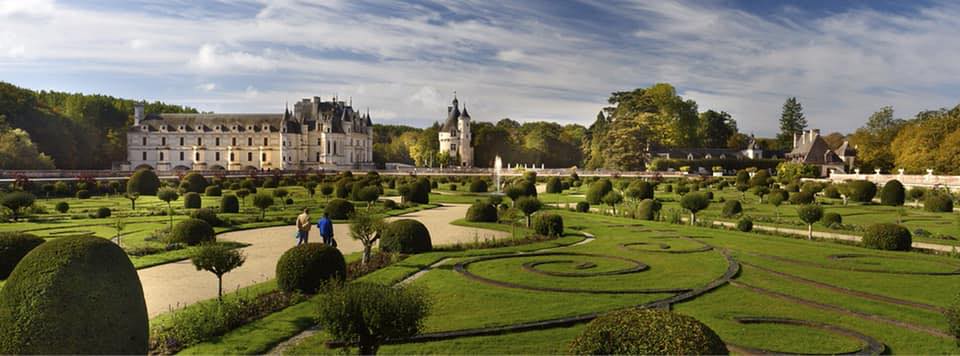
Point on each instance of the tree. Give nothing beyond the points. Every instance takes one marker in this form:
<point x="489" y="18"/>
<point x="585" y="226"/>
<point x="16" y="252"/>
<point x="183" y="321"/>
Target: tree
<point x="717" y="128"/>
<point x="792" y="122"/>
<point x="760" y="191"/>
<point x="327" y="190"/>
<point x="217" y="259"/>
<point x="776" y="199"/>
<point x="263" y="201"/>
<point x="242" y="193"/>
<point x="694" y="202"/>
<point x="168" y="195"/>
<point x="119" y="225"/>
<point x="16" y="202"/>
<point x="311" y="188"/>
<point x="367" y="314"/>
<point x="281" y="193"/>
<point x="873" y="140"/>
<point x="366" y="228"/>
<point x="132" y="196"/>
<point x="612" y="199"/>
<point x="368" y="194"/>
<point x="810" y="214"/>
<point x="528" y="205"/>
<point x="17" y="151"/>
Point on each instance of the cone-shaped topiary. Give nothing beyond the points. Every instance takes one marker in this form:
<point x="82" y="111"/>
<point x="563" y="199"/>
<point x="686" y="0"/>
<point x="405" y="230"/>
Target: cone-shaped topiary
<point x="305" y="268"/>
<point x="13" y="246"/>
<point x="192" y="232"/>
<point x="647" y="332"/>
<point x="548" y="224"/>
<point x="74" y="295"/>
<point x="406" y="236"/>
<point x="482" y="212"/>
<point x="339" y="209"/>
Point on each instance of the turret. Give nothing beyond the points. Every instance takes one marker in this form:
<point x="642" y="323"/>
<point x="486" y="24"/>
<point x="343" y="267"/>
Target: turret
<point x="137" y="113"/>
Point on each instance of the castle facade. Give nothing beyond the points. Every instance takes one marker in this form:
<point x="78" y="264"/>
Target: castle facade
<point x="455" y="136"/>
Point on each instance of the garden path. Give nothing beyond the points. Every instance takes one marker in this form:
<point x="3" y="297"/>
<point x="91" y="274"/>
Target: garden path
<point x="174" y="285"/>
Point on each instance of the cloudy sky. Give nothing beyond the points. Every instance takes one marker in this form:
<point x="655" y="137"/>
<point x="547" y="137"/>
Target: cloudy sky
<point x="527" y="60"/>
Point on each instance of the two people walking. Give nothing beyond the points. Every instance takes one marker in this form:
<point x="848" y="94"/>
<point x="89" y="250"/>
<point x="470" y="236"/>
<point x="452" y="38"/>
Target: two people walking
<point x="324" y="224"/>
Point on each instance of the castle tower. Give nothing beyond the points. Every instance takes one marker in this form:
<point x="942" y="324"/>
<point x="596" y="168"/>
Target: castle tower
<point x="454" y="135"/>
<point x="466" y="144"/>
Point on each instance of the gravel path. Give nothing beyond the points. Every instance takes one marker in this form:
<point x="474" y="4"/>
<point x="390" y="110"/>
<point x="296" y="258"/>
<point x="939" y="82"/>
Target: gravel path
<point x="174" y="285"/>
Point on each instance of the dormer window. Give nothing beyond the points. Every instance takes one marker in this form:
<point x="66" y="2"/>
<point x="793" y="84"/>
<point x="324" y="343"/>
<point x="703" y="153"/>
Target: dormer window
<point x="143" y="128"/>
<point x="182" y="128"/>
<point x="266" y="127"/>
<point x="163" y="127"/>
<point x="249" y="127"/>
<point x="199" y="127"/>
<point x="234" y="128"/>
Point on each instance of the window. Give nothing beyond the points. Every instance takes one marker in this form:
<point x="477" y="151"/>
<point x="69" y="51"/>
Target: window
<point x="249" y="156"/>
<point x="263" y="157"/>
<point x="216" y="156"/>
<point x="265" y="141"/>
<point x="144" y="156"/>
<point x="249" y="141"/>
<point x="318" y="142"/>
<point x="163" y="141"/>
<point x="328" y="147"/>
<point x="234" y="142"/>
<point x="196" y="156"/>
<point x="334" y="148"/>
<point x="216" y="141"/>
<point x="199" y="141"/>
<point x="144" y="142"/>
<point x="181" y="156"/>
<point x="161" y="156"/>
<point x="181" y="142"/>
<point x="231" y="156"/>
<point x="318" y="156"/>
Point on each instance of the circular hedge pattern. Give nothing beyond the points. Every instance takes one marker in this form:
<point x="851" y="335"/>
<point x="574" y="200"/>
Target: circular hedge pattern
<point x="870" y="346"/>
<point x="47" y="303"/>
<point x="192" y="232"/>
<point x="666" y="248"/>
<point x="647" y="332"/>
<point x="406" y="236"/>
<point x="13" y="246"/>
<point x="339" y="209"/>
<point x="305" y="268"/>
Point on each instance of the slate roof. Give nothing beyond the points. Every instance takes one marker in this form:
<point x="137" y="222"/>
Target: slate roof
<point x="813" y="150"/>
<point x="209" y="122"/>
<point x="698" y="153"/>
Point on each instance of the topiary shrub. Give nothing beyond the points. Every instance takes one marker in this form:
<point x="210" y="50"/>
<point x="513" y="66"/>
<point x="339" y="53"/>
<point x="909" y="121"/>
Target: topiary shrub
<point x="478" y="185"/>
<point x="389" y="204"/>
<point x="548" y="225"/>
<point x="583" y="207"/>
<point x="745" y="224"/>
<point x="893" y="193"/>
<point x="831" y="192"/>
<point x="861" y="191"/>
<point x="208" y="215"/>
<point x="62" y="207"/>
<point x="732" y="208"/>
<point x="192" y="232"/>
<point x="103" y="213"/>
<point x="887" y="237"/>
<point x="938" y="202"/>
<point x="648" y="209"/>
<point x="74" y="295"/>
<point x="13" y="246"/>
<point x="801" y="198"/>
<point x="213" y="191"/>
<point x="83" y="194"/>
<point x="482" y="212"/>
<point x="554" y="186"/>
<point x="597" y="190"/>
<point x="339" y="209"/>
<point x="143" y="182"/>
<point x="191" y="200"/>
<point x="306" y="268"/>
<point x="637" y="331"/>
<point x="230" y="204"/>
<point x="405" y="236"/>
<point x="831" y="220"/>
<point x="195" y="182"/>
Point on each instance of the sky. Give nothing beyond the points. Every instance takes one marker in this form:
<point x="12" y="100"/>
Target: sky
<point x="527" y="60"/>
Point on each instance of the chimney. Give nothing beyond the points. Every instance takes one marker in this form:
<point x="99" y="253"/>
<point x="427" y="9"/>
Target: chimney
<point x="816" y="132"/>
<point x="797" y="139"/>
<point x="137" y="113"/>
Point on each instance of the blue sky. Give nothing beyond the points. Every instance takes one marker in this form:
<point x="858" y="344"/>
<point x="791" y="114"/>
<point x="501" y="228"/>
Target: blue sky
<point x="527" y="60"/>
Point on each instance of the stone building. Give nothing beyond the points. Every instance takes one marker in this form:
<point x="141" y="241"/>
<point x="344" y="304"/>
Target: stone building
<point x="455" y="136"/>
<point x="318" y="134"/>
<point x="810" y="148"/>
<point x="753" y="151"/>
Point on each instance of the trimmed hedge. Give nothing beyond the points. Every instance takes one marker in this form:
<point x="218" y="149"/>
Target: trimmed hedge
<point x="230" y="204"/>
<point x="191" y="200"/>
<point x="732" y="208"/>
<point x="745" y="224"/>
<point x="195" y="182"/>
<point x="74" y="295"/>
<point x="547" y="224"/>
<point x="554" y="185"/>
<point x="583" y="207"/>
<point x="405" y="236"/>
<point x="801" y="198"/>
<point x="339" y="209"/>
<point x="482" y="212"/>
<point x="83" y="194"/>
<point x="893" y="193"/>
<point x="13" y="246"/>
<point x="647" y="332"/>
<point x="831" y="219"/>
<point x="213" y="191"/>
<point x="478" y="186"/>
<point x="861" y="191"/>
<point x="648" y="209"/>
<point x="103" y="213"/>
<point x="192" y="232"/>
<point x="938" y="202"/>
<point x="597" y="190"/>
<point x="62" y="207"/>
<point x="887" y="237"/>
<point x="144" y="182"/>
<point x="208" y="215"/>
<point x="305" y="268"/>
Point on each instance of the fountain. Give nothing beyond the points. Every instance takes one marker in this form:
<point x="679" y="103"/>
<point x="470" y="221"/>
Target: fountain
<point x="497" y="167"/>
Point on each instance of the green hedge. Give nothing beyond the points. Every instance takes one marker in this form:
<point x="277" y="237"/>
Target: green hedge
<point x="339" y="209"/>
<point x="547" y="224"/>
<point x="192" y="232"/>
<point x="305" y="268"/>
<point x="13" y="246"/>
<point x="647" y="332"/>
<point x="887" y="237"/>
<point x="938" y="202"/>
<point x="192" y="200"/>
<point x="230" y="204"/>
<point x="482" y="212"/>
<point x="406" y="236"/>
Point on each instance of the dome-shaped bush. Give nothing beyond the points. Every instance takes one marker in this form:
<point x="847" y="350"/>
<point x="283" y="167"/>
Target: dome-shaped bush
<point x="103" y="212"/>
<point x="644" y="189"/>
<point x="732" y="208"/>
<point x="583" y="207"/>
<point x="208" y="215"/>
<point x="405" y="236"/>
<point x="83" y="194"/>
<point x="13" y="246"/>
<point x="547" y="224"/>
<point x="229" y="204"/>
<point x="554" y="186"/>
<point x="74" y="295"/>
<point x="893" y="193"/>
<point x="478" y="185"/>
<point x="745" y="224"/>
<point x="938" y="202"/>
<point x="62" y="207"/>
<point x="887" y="237"/>
<point x="339" y="209"/>
<point x="648" y="209"/>
<point x="831" y="192"/>
<point x="482" y="212"/>
<point x="195" y="182"/>
<point x="801" y="198"/>
<point x="144" y="182"/>
<point x="213" y="191"/>
<point x="192" y="200"/>
<point x="597" y="190"/>
<point x="305" y="268"/>
<point x="862" y="191"/>
<point x="389" y="204"/>
<point x="647" y="332"/>
<point x="831" y="219"/>
<point x="192" y="232"/>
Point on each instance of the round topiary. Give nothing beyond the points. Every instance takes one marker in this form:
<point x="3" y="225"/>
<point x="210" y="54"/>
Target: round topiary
<point x="103" y="213"/>
<point x="144" y="182"/>
<point x="745" y="224"/>
<point x="732" y="208"/>
<point x="548" y="224"/>
<point x="83" y="194"/>
<point x="13" y="246"/>
<point x="478" y="185"/>
<point x="648" y="209"/>
<point x="62" y="207"/>
<point x="305" y="268"/>
<point x="191" y="200"/>
<point x="887" y="237"/>
<point x="637" y="331"/>
<point x="893" y="193"/>
<point x="230" y="204"/>
<point x="208" y="215"/>
<point x="339" y="209"/>
<point x="554" y="186"/>
<point x="831" y="192"/>
<point x="801" y="198"/>
<point x="213" y="191"/>
<point x="482" y="212"/>
<point x="831" y="219"/>
<point x="195" y="182"/>
<point x="583" y="207"/>
<point x="597" y="190"/>
<point x="862" y="191"/>
<point x="938" y="202"/>
<point x="47" y="303"/>
<point x="192" y="232"/>
<point x="405" y="236"/>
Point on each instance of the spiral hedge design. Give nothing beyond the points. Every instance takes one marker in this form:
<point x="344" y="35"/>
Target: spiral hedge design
<point x="870" y="346"/>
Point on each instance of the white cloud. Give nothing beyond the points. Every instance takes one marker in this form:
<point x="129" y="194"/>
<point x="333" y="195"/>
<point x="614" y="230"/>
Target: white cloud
<point x="138" y="43"/>
<point x="26" y="7"/>
<point x="212" y="58"/>
<point x="207" y="86"/>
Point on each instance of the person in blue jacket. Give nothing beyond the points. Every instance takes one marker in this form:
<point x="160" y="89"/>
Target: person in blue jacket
<point x="326" y="230"/>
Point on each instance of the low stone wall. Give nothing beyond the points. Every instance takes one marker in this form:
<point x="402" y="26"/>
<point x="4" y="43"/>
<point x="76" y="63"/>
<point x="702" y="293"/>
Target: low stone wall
<point x="908" y="180"/>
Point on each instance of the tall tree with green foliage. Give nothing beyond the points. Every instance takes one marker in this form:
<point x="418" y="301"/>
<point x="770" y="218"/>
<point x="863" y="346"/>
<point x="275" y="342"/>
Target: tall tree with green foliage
<point x="792" y="121"/>
<point x="873" y="140"/>
<point x="716" y="128"/>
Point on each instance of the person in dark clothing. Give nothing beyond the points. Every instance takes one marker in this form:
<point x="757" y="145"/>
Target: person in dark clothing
<point x="326" y="230"/>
